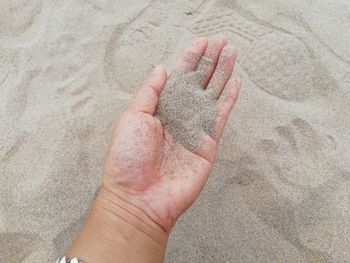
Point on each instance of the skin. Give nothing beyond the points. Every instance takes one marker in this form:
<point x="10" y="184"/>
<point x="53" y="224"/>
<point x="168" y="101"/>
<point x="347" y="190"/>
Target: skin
<point x="149" y="179"/>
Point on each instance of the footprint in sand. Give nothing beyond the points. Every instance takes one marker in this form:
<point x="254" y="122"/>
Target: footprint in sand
<point x="147" y="41"/>
<point x="125" y="53"/>
<point x="321" y="22"/>
<point x="277" y="62"/>
<point x="120" y="65"/>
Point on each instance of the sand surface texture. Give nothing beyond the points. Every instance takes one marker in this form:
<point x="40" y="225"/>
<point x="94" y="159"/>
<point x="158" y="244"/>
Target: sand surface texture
<point x="280" y="190"/>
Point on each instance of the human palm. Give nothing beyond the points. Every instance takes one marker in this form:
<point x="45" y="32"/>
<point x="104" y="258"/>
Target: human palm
<point x="147" y="166"/>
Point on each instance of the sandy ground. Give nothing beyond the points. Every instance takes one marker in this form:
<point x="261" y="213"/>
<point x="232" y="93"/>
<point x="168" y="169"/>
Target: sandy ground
<point x="280" y="191"/>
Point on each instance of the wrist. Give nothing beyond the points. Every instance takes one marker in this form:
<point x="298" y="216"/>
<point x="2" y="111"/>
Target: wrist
<point x="126" y="215"/>
<point x="116" y="231"/>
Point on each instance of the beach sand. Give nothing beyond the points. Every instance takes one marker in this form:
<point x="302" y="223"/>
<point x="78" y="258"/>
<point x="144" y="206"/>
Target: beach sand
<point x="280" y="190"/>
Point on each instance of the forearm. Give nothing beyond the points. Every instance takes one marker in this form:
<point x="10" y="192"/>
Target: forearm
<point x="117" y="232"/>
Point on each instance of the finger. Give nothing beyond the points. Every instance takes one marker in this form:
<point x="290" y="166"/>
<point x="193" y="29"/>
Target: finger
<point x="225" y="103"/>
<point x="192" y="54"/>
<point x="223" y="70"/>
<point x="208" y="61"/>
<point x="146" y="98"/>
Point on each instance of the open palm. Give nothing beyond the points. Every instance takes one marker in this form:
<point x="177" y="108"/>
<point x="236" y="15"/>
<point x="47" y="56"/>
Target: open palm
<point x="149" y="168"/>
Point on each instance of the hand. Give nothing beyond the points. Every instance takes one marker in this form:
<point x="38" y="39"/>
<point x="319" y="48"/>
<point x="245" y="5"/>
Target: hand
<point x="153" y="173"/>
<point x="145" y="166"/>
